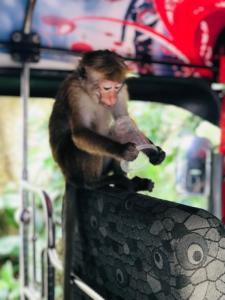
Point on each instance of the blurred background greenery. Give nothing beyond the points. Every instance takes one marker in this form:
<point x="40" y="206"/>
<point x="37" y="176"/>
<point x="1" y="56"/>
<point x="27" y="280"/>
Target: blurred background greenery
<point x="165" y="125"/>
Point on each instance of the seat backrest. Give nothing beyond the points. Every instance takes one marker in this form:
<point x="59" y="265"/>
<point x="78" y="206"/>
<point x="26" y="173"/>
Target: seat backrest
<point x="130" y="246"/>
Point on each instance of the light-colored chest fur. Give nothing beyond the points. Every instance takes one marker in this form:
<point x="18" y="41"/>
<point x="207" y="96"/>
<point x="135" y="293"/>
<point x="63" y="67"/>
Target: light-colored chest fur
<point x="102" y="119"/>
<point x="95" y="116"/>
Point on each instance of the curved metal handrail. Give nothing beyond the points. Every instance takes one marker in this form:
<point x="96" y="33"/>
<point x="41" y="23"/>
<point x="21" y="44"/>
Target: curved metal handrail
<point x="53" y="257"/>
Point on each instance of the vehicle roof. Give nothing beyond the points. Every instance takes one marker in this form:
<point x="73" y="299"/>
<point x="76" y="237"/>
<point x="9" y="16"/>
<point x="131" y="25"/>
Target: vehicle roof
<point x="162" y="40"/>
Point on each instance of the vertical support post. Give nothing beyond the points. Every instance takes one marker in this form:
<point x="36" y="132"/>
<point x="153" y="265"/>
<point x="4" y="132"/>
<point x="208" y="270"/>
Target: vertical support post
<point x="34" y="240"/>
<point x="222" y="127"/>
<point x="25" y="216"/>
<point x="216" y="185"/>
<point x="222" y="151"/>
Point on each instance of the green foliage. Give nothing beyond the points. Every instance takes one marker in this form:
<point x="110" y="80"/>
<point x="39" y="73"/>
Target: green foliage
<point x="9" y="246"/>
<point x="9" y="197"/>
<point x="43" y="171"/>
<point x="166" y="125"/>
<point x="9" y="203"/>
<point x="9" y="286"/>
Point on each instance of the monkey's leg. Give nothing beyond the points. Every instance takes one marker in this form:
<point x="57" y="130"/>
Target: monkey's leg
<point x="132" y="185"/>
<point x="142" y="184"/>
<point x="119" y="181"/>
<point x="135" y="184"/>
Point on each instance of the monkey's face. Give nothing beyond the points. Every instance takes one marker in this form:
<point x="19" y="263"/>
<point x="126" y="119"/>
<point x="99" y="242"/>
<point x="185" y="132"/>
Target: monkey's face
<point x="101" y="90"/>
<point x="108" y="92"/>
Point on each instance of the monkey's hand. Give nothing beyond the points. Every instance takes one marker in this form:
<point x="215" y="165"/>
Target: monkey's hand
<point x="129" y="151"/>
<point x="155" y="156"/>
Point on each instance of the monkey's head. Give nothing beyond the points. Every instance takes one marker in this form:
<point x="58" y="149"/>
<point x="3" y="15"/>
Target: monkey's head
<point x="103" y="73"/>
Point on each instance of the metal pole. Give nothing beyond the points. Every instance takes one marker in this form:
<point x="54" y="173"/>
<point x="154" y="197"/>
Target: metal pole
<point x="28" y="17"/>
<point x="34" y="240"/>
<point x="25" y="215"/>
<point x="216" y="183"/>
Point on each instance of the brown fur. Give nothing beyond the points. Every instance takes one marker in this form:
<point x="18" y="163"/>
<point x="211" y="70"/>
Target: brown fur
<point x="79" y="128"/>
<point x="79" y="124"/>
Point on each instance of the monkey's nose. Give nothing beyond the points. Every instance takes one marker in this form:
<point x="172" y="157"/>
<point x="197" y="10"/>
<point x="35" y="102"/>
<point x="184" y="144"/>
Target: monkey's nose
<point x="112" y="99"/>
<point x="113" y="102"/>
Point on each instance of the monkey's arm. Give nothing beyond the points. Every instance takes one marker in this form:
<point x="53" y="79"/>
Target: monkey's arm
<point x="96" y="144"/>
<point x="157" y="155"/>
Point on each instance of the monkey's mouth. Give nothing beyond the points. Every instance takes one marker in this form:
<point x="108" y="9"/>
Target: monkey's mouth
<point x="107" y="105"/>
<point x="105" y="100"/>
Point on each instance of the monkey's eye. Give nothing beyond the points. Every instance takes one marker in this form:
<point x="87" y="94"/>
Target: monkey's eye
<point x="107" y="88"/>
<point x="118" y="87"/>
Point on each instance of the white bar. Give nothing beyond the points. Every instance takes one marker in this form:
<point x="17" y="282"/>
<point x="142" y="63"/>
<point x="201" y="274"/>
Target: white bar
<point x="87" y="289"/>
<point x="31" y="293"/>
<point x="44" y="63"/>
<point x="54" y="259"/>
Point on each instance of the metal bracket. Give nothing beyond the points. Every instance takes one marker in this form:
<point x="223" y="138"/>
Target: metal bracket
<point x="25" y="47"/>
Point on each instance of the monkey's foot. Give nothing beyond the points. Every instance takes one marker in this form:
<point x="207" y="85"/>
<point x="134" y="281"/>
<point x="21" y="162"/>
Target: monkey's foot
<point x="142" y="184"/>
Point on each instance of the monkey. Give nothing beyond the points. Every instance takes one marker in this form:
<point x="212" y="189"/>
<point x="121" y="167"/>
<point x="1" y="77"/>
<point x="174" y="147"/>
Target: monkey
<point x="87" y="104"/>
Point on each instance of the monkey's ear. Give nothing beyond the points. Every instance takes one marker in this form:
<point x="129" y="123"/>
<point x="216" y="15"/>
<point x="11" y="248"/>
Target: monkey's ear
<point x="82" y="72"/>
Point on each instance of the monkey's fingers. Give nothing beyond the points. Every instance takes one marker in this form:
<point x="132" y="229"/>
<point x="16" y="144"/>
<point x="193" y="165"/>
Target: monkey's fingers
<point x="130" y="152"/>
<point x="155" y="157"/>
<point x="158" y="157"/>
